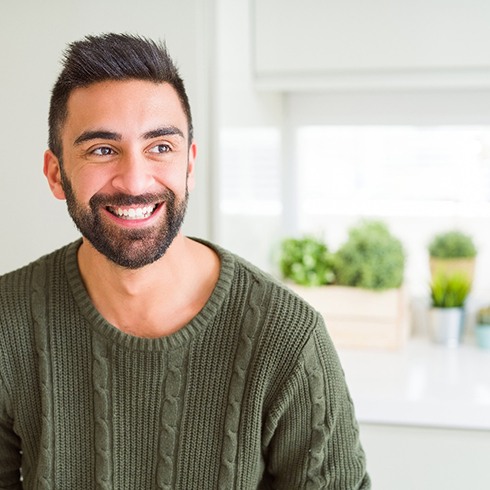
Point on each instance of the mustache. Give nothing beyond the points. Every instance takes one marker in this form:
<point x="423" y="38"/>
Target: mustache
<point x="121" y="199"/>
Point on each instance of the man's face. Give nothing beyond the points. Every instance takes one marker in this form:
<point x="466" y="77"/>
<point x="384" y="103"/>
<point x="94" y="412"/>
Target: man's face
<point x="127" y="168"/>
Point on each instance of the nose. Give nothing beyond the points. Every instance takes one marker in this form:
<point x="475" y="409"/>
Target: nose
<point x="133" y="175"/>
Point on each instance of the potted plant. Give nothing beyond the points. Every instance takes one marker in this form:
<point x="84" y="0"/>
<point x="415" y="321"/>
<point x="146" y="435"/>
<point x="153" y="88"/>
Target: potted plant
<point x="371" y="258"/>
<point x="450" y="252"/>
<point x="446" y="316"/>
<point x="306" y="261"/>
<point x="482" y="327"/>
<point x="366" y="305"/>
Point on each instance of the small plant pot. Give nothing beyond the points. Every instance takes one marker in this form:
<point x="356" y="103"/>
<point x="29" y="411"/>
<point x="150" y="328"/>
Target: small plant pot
<point x="451" y="266"/>
<point x="446" y="326"/>
<point x="482" y="334"/>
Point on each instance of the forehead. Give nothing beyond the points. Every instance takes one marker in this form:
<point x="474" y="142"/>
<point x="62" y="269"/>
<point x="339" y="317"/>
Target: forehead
<point x="124" y="106"/>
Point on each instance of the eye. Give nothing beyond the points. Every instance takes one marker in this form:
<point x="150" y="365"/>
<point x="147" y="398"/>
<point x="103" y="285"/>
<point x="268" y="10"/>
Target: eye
<point x="103" y="151"/>
<point x="161" y="148"/>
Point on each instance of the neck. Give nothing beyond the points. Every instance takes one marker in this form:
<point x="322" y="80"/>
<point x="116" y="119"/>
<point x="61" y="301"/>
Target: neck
<point x="157" y="299"/>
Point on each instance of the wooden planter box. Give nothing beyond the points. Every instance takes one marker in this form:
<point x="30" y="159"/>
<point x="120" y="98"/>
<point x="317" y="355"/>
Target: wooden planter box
<point x="360" y="318"/>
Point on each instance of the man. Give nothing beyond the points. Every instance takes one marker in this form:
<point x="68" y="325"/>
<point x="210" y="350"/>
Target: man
<point x="139" y="358"/>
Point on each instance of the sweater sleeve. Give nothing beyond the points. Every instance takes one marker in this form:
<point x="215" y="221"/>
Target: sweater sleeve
<point x="312" y="433"/>
<point x="10" y="457"/>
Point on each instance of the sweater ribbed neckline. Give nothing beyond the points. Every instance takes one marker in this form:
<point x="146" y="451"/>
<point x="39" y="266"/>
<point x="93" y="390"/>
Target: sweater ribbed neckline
<point x="174" y="341"/>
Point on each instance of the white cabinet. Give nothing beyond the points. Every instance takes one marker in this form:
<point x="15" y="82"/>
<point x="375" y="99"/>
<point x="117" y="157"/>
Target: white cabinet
<point x="422" y="458"/>
<point x="424" y="413"/>
<point x="375" y="43"/>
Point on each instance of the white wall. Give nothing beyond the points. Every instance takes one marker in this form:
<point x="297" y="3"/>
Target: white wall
<point x="32" y="37"/>
<point x="241" y="106"/>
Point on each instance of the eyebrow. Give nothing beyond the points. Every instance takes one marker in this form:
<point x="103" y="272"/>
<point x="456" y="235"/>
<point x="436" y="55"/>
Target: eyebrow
<point x="163" y="131"/>
<point x="109" y="135"/>
<point x="97" y="134"/>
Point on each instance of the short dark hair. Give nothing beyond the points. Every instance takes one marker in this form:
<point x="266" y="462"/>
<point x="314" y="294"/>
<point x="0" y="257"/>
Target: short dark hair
<point x="111" y="57"/>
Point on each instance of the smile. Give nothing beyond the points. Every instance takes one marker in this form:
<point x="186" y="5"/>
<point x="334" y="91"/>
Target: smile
<point x="132" y="213"/>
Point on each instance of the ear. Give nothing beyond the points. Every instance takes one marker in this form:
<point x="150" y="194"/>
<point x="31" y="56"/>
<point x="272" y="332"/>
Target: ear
<point x="191" y="182"/>
<point x="52" y="172"/>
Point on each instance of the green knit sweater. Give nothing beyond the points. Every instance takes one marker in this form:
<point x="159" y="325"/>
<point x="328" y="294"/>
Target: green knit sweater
<point x="248" y="395"/>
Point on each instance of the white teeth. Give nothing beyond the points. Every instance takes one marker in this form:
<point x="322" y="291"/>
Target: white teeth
<point x="134" y="213"/>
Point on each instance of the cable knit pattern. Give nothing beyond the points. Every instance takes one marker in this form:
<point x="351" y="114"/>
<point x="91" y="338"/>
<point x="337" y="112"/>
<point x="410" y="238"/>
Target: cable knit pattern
<point x="252" y="318"/>
<point x="249" y="395"/>
<point x="318" y="429"/>
<point x="169" y="420"/>
<point x="102" y="414"/>
<point x="41" y="330"/>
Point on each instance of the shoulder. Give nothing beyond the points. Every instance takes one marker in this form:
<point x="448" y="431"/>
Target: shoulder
<point x="284" y="316"/>
<point x="15" y="281"/>
<point x="18" y="288"/>
<point x="23" y="294"/>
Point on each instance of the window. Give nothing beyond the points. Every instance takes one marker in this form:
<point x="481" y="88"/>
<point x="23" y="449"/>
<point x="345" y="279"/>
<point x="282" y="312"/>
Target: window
<point x="394" y="170"/>
<point x="250" y="180"/>
<point x="250" y="207"/>
<point x="419" y="179"/>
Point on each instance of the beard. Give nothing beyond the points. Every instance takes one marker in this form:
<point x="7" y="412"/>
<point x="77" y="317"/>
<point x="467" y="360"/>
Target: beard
<point x="128" y="248"/>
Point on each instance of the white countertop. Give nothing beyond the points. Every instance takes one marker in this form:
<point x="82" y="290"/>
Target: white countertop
<point x="422" y="384"/>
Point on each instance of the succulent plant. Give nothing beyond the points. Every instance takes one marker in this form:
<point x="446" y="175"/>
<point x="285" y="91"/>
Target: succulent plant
<point x="450" y="291"/>
<point x="483" y="316"/>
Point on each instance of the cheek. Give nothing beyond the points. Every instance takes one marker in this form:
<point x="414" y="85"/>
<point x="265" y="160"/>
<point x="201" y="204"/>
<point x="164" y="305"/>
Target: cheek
<point x="86" y="184"/>
<point x="174" y="179"/>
